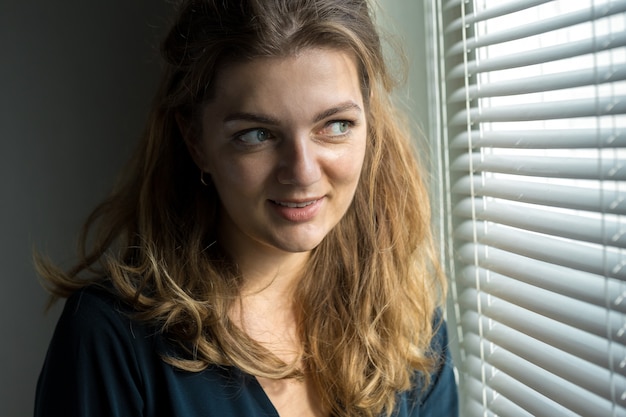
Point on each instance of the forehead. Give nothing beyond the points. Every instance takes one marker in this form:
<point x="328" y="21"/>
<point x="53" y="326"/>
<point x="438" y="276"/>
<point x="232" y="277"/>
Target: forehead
<point x="311" y="77"/>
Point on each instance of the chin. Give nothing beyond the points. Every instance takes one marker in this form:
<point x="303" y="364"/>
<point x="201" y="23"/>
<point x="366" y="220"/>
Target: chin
<point x="299" y="247"/>
<point x="297" y="240"/>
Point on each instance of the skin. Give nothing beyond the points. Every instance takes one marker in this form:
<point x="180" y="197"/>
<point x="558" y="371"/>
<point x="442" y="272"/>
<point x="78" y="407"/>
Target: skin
<point x="288" y="131"/>
<point x="283" y="140"/>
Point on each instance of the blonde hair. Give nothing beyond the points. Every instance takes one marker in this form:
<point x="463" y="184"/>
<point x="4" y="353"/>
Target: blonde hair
<point x="367" y="299"/>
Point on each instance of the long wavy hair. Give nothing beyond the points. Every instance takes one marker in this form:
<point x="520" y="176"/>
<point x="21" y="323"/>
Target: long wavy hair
<point x="367" y="298"/>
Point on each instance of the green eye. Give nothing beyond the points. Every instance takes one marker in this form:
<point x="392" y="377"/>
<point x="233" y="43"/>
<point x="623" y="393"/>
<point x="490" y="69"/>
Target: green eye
<point x="254" y="136"/>
<point x="339" y="128"/>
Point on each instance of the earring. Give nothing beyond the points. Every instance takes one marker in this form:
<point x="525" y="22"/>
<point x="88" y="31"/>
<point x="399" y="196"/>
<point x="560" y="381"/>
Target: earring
<point x="202" y="179"/>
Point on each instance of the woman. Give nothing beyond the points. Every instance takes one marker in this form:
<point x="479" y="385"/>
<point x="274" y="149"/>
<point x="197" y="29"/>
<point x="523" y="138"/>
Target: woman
<point x="268" y="250"/>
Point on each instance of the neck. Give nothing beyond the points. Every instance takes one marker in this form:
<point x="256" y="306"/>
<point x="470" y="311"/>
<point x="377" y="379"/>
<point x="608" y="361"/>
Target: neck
<point x="266" y="307"/>
<point x="264" y="268"/>
<point x="271" y="273"/>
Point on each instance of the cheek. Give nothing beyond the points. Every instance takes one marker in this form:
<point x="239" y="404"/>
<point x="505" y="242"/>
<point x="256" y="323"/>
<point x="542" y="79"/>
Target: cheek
<point x="348" y="166"/>
<point x="353" y="167"/>
<point x="235" y="176"/>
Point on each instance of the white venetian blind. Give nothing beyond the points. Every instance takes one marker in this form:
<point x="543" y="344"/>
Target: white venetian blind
<point x="533" y="97"/>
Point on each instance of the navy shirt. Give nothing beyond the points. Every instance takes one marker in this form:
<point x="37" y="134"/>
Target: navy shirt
<point x="102" y="363"/>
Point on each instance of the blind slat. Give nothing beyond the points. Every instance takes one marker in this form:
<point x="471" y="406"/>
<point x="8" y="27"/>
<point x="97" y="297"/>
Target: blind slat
<point x="586" y="318"/>
<point x="540" y="56"/>
<point x="535" y="28"/>
<point x="544" y="166"/>
<point x="542" y="83"/>
<point x="539" y="268"/>
<point x="494" y="402"/>
<point x="472" y="408"/>
<point x="563" y="365"/>
<point x="553" y="387"/>
<point x="564" y="337"/>
<point x="541" y="397"/>
<point x="605" y="199"/>
<point x="543" y="139"/>
<point x="579" y="285"/>
<point x="591" y="107"/>
<point x="572" y="254"/>
<point x="569" y="225"/>
<point x="493" y="12"/>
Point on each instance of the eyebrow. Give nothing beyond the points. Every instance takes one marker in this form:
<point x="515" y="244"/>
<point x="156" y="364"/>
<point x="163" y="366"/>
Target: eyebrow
<point x="268" y="120"/>
<point x="348" y="105"/>
<point x="251" y="117"/>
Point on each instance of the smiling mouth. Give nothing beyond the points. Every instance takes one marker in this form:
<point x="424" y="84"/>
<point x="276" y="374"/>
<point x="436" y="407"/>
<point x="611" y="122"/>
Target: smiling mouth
<point x="294" y="205"/>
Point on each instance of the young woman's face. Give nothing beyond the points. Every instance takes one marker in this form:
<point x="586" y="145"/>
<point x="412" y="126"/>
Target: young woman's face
<point x="283" y="140"/>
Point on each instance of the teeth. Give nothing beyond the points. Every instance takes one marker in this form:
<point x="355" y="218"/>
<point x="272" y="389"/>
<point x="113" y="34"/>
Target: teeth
<point x="294" y="205"/>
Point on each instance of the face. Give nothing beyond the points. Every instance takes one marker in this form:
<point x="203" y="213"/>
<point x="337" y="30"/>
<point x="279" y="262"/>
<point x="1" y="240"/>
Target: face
<point x="283" y="140"/>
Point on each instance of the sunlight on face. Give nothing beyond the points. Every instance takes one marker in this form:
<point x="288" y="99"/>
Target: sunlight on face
<point x="284" y="141"/>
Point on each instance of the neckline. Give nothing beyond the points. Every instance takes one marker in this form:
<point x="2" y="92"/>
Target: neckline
<point x="259" y="394"/>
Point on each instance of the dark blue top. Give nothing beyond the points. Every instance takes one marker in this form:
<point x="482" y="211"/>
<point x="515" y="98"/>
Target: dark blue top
<point x="102" y="363"/>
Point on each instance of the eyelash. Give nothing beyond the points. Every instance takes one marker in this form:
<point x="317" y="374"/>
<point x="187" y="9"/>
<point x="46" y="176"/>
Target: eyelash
<point x="350" y="124"/>
<point x="239" y="136"/>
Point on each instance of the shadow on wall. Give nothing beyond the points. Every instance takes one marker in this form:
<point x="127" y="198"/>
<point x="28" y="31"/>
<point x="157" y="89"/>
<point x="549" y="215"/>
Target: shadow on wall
<point x="77" y="79"/>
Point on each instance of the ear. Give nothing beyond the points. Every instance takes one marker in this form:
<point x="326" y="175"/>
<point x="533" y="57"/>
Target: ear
<point x="194" y="145"/>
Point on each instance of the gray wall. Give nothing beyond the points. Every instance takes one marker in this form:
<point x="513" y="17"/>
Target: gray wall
<point x="403" y="23"/>
<point x="76" y="80"/>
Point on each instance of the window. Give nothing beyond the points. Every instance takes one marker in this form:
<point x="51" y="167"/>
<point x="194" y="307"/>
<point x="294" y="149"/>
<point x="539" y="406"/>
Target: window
<point x="532" y="125"/>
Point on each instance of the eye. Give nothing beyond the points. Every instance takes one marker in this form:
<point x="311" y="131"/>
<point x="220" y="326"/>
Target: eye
<point x="338" y="128"/>
<point x="254" y="136"/>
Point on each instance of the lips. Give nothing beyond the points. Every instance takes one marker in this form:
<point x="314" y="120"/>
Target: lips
<point x="297" y="211"/>
<point x="291" y="204"/>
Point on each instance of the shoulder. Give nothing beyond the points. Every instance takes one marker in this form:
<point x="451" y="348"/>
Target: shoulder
<point x="95" y="323"/>
<point x="95" y="354"/>
<point x="439" y="397"/>
<point x="94" y="298"/>
<point x="443" y="382"/>
<point x="90" y="310"/>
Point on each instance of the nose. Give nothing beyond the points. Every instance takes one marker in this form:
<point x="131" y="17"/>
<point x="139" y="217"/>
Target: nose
<point x="299" y="162"/>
